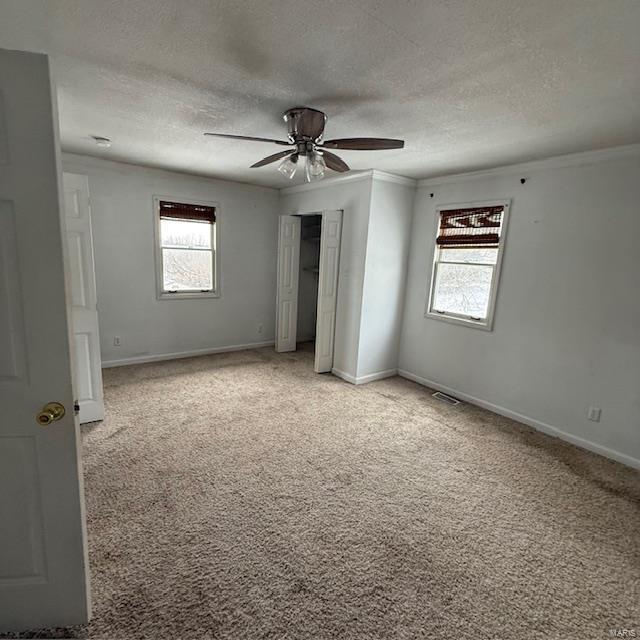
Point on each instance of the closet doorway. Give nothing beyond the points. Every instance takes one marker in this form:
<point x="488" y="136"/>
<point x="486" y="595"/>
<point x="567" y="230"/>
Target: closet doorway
<point x="308" y="262"/>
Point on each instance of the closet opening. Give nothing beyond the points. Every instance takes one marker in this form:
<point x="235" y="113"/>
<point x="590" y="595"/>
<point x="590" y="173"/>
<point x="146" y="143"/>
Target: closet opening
<point x="308" y="277"/>
<point x="307" y="295"/>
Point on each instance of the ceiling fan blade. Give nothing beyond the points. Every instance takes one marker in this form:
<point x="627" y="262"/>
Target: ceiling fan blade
<point x="364" y="144"/>
<point x="272" y="158"/>
<point x="228" y="135"/>
<point x="333" y="162"/>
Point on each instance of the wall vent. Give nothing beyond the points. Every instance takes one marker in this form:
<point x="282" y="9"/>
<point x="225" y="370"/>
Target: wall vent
<point x="443" y="397"/>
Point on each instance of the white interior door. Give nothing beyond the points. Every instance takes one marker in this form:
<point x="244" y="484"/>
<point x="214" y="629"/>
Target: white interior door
<point x="288" y="275"/>
<point x="327" y="289"/>
<point x="82" y="293"/>
<point x="43" y="561"/>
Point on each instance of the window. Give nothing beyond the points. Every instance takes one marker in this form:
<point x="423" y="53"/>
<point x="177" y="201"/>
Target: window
<point x="466" y="264"/>
<point x="186" y="234"/>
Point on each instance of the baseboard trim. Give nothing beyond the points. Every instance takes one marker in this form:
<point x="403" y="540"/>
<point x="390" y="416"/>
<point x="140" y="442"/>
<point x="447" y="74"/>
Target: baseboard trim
<point x="370" y="377"/>
<point x="378" y="375"/>
<point x="531" y="422"/>
<point x="342" y="374"/>
<point x="159" y="357"/>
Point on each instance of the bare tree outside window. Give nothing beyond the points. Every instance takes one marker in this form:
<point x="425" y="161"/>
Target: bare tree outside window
<point x="463" y="280"/>
<point x="187" y="255"/>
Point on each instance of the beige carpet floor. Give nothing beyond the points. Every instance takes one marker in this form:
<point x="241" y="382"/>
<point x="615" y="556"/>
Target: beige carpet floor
<point x="243" y="496"/>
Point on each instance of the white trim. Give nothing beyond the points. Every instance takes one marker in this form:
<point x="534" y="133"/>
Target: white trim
<point x="351" y="176"/>
<point x="483" y="325"/>
<point x="370" y="377"/>
<point x="345" y="376"/>
<point x="392" y="177"/>
<point x="555" y="162"/>
<point x="78" y="162"/>
<point x="531" y="422"/>
<point x="187" y="295"/>
<point x="378" y="375"/>
<point x="215" y="248"/>
<point x="184" y="354"/>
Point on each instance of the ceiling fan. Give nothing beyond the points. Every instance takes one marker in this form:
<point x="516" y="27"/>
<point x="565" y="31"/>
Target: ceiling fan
<point x="305" y="131"/>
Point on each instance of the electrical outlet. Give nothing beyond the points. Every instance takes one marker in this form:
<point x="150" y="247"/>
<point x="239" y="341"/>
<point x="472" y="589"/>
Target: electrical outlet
<point x="594" y="414"/>
<point x="116" y="341"/>
<point x="260" y="327"/>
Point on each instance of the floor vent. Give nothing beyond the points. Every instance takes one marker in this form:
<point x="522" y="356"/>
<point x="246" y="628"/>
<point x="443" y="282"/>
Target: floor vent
<point x="443" y="397"/>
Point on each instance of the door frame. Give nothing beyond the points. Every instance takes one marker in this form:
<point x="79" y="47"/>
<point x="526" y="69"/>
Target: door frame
<point x="82" y="313"/>
<point x="323" y="269"/>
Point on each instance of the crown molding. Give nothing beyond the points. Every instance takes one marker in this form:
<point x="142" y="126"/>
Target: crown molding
<point x="555" y="162"/>
<point x="392" y="177"/>
<point x="351" y="176"/>
<point x="76" y="161"/>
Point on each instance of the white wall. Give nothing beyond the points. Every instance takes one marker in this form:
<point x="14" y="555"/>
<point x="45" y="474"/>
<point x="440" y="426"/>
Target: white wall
<point x="567" y="323"/>
<point x="353" y="197"/>
<point x="385" y="275"/>
<point x="373" y="264"/>
<point x="123" y="235"/>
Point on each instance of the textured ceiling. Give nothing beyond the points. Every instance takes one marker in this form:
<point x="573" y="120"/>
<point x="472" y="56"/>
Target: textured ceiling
<point x="469" y="84"/>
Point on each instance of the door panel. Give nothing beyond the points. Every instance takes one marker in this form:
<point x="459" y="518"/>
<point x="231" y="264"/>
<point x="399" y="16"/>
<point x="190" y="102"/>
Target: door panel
<point x="288" y="274"/>
<point x="12" y="354"/>
<point x="84" y="309"/>
<point x="43" y="560"/>
<point x="76" y="268"/>
<point x="84" y="377"/>
<point x="19" y="466"/>
<point x="327" y="289"/>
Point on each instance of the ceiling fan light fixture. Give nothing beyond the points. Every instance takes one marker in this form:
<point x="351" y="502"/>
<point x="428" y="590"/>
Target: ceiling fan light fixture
<point x="289" y="166"/>
<point x="305" y="132"/>
<point x="315" y="167"/>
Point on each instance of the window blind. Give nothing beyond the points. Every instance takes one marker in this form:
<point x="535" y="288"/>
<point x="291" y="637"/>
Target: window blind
<point x="183" y="211"/>
<point x="470" y="226"/>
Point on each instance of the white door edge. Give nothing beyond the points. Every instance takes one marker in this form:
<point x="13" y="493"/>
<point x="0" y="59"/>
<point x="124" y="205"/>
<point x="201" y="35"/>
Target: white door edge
<point x="330" y="240"/>
<point x="287" y="282"/>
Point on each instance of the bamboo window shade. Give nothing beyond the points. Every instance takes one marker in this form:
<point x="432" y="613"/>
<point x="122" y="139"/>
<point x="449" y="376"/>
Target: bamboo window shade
<point x="183" y="211"/>
<point x="477" y="226"/>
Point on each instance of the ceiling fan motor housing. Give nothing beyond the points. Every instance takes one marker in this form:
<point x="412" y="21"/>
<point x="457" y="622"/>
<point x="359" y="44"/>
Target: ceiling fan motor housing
<point x="305" y="125"/>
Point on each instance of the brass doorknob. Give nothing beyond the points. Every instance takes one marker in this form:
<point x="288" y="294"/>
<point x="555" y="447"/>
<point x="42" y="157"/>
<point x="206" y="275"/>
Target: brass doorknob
<point x="51" y="412"/>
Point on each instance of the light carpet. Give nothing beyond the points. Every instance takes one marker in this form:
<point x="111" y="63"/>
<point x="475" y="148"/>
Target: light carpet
<point x="242" y="496"/>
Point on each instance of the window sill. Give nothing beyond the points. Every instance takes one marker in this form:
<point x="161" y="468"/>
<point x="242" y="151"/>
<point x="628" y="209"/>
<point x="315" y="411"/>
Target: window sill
<point x="484" y="325"/>
<point x="187" y="295"/>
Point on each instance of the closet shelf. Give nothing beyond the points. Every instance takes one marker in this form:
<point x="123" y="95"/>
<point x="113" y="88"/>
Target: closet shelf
<point x="311" y="269"/>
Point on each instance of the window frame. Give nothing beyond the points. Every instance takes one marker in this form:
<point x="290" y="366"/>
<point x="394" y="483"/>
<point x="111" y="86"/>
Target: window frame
<point x="485" y="324"/>
<point x="161" y="293"/>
